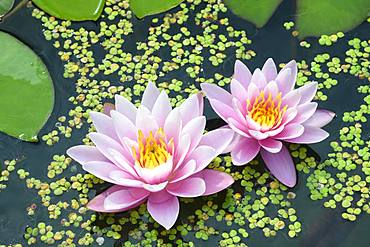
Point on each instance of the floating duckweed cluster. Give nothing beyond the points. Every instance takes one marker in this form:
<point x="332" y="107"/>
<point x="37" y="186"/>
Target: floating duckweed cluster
<point x="256" y="201"/>
<point x="9" y="167"/>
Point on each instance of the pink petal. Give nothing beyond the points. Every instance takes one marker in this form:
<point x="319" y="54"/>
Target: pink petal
<point x="289" y="115"/>
<point x="310" y="135"/>
<point x="203" y="155"/>
<point x="281" y="166"/>
<point x="125" y="107"/>
<point x="290" y="131"/>
<point x="271" y="145"/>
<point x="123" y="126"/>
<point x="272" y="88"/>
<point x="101" y="169"/>
<point x="150" y="95"/>
<point x="104" y="144"/>
<point x="214" y="92"/>
<point x="245" y="151"/>
<point x="121" y="161"/>
<point x="195" y="129"/>
<point x="215" y="180"/>
<point x="218" y="139"/>
<point x="83" y="154"/>
<point x="291" y="99"/>
<point x="320" y="118"/>
<point x="184" y="171"/>
<point x="305" y="111"/>
<point x="258" y="134"/>
<point x="269" y="70"/>
<point x="307" y="92"/>
<point x="238" y="127"/>
<point x="173" y="125"/>
<point x="190" y="187"/>
<point x="107" y="107"/>
<point x="240" y="109"/>
<point x="103" y="124"/>
<point x="222" y="110"/>
<point x="145" y="121"/>
<point x="97" y="204"/>
<point x="155" y="187"/>
<point x="253" y="91"/>
<point x="164" y="208"/>
<point x="191" y="108"/>
<point x="161" y="108"/>
<point x="258" y="79"/>
<point x="287" y="77"/>
<point x="238" y="90"/>
<point x="155" y="175"/>
<point x="124" y="198"/>
<point x="242" y="73"/>
<point x="125" y="179"/>
<point x="182" y="150"/>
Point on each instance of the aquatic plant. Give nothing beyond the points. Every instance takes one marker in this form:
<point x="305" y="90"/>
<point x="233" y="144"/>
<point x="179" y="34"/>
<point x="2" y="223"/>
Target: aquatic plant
<point x="264" y="110"/>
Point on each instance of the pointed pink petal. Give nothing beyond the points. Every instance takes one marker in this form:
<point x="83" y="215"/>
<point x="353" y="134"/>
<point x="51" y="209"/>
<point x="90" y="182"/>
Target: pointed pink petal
<point x="145" y="121"/>
<point x="310" y="135"/>
<point x="287" y="77"/>
<point x="291" y="99"/>
<point x="150" y="95"/>
<point x="191" y="108"/>
<point x="203" y="155"/>
<point x="272" y="88"/>
<point x="222" y="110"/>
<point x="123" y="126"/>
<point x="242" y="73"/>
<point x="320" y="118"/>
<point x="258" y="134"/>
<point x="155" y="175"/>
<point x="104" y="144"/>
<point x="238" y="127"/>
<point x="290" y="131"/>
<point x="238" y="91"/>
<point x="83" y="154"/>
<point x="240" y="110"/>
<point x="155" y="187"/>
<point x="281" y="166"/>
<point x="216" y="181"/>
<point x="164" y="208"/>
<point x="214" y="92"/>
<point x="125" y="179"/>
<point x="125" y="107"/>
<point x="173" y="125"/>
<point x="218" y="139"/>
<point x="124" y="198"/>
<point x="245" y="151"/>
<point x="103" y="124"/>
<point x="253" y="91"/>
<point x="182" y="150"/>
<point x="258" y="79"/>
<point x="271" y="145"/>
<point x="195" y="129"/>
<point x="305" y="111"/>
<point x="289" y="115"/>
<point x="307" y="92"/>
<point x="97" y="204"/>
<point x="269" y="70"/>
<point x="107" y="107"/>
<point x="190" y="187"/>
<point x="101" y="169"/>
<point x="184" y="171"/>
<point x="161" y="108"/>
<point x="120" y="160"/>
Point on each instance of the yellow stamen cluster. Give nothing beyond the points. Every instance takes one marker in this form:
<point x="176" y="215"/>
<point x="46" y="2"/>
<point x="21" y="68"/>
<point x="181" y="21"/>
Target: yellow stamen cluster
<point x="266" y="111"/>
<point x="152" y="150"/>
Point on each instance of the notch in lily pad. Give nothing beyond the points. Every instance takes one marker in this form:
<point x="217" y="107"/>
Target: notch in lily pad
<point x="26" y="90"/>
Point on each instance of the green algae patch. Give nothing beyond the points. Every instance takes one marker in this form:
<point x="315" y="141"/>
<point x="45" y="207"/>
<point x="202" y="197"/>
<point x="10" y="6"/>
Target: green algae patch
<point x="26" y="90"/>
<point x="317" y="17"/>
<point x="142" y="8"/>
<point x="74" y="10"/>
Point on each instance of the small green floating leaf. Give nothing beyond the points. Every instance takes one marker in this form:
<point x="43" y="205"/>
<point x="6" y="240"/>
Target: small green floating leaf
<point x="142" y="8"/>
<point x="255" y="11"/>
<point x="5" y="6"/>
<point x="74" y="10"/>
<point x="317" y="17"/>
<point x="26" y="90"/>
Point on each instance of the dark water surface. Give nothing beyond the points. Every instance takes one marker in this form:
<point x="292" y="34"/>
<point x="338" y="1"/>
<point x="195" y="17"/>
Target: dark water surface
<point x="320" y="227"/>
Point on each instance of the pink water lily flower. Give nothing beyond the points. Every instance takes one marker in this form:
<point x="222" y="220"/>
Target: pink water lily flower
<point x="265" y="110"/>
<point x="153" y="153"/>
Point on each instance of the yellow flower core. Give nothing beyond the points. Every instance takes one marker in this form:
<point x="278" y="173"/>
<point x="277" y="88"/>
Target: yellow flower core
<point x="266" y="111"/>
<point x="152" y="150"/>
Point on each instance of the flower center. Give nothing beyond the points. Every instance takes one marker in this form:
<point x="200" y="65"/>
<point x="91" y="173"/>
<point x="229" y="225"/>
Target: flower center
<point x="152" y="151"/>
<point x="266" y="111"/>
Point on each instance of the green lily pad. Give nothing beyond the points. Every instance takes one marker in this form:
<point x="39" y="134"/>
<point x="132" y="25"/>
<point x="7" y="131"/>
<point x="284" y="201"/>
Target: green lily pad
<point x="255" y="11"/>
<point x="74" y="10"/>
<point x="5" y="6"/>
<point x="26" y="90"/>
<point x="317" y="17"/>
<point x="142" y="8"/>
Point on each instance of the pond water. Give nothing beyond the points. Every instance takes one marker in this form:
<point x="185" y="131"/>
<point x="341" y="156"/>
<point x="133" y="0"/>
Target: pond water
<point x="321" y="226"/>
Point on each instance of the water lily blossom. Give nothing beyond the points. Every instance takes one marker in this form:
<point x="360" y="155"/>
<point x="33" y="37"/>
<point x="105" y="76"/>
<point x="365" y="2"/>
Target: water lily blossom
<point x="265" y="110"/>
<point x="153" y="153"/>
